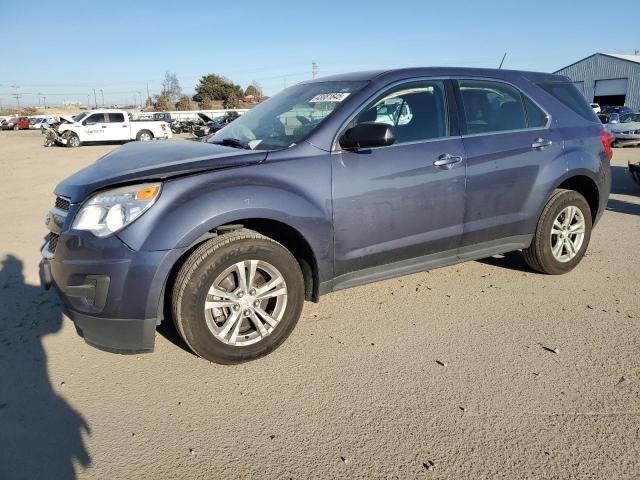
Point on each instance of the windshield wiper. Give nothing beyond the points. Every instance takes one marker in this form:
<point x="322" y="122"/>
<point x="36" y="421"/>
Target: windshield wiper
<point x="232" y="142"/>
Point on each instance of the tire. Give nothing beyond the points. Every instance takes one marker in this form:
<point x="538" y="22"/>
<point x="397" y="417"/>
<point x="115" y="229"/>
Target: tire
<point x="72" y="139"/>
<point x="214" y="333"/>
<point x="144" y="136"/>
<point x="563" y="205"/>
<point x="16" y="128"/>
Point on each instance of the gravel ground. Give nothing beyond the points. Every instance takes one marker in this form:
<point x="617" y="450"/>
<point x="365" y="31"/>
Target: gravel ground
<point x="480" y="370"/>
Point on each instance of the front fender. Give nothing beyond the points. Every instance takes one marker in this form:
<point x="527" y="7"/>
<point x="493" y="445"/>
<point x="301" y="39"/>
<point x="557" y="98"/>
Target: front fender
<point x="190" y="207"/>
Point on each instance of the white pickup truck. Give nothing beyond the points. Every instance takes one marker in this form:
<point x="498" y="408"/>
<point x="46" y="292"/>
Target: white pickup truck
<point x="105" y="126"/>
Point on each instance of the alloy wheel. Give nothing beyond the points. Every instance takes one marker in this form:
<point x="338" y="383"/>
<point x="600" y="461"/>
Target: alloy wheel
<point x="567" y="234"/>
<point x="246" y="302"/>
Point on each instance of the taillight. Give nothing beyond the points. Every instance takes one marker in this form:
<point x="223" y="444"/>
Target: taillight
<point x="606" y="137"/>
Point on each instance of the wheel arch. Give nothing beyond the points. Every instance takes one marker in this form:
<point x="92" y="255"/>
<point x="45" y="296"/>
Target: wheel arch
<point x="586" y="187"/>
<point x="292" y="239"/>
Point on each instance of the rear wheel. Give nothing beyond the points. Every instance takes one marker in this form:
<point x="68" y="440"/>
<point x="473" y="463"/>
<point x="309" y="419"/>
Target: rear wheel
<point x="144" y="136"/>
<point x="72" y="139"/>
<point x="562" y="234"/>
<point x="237" y="297"/>
<point x="16" y="127"/>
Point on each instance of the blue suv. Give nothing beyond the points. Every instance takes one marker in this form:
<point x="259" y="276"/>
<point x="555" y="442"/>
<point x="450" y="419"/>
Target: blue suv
<point x="330" y="184"/>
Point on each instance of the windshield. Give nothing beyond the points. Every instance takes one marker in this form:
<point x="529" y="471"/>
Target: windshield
<point x="631" y="117"/>
<point x="80" y="116"/>
<point x="286" y="118"/>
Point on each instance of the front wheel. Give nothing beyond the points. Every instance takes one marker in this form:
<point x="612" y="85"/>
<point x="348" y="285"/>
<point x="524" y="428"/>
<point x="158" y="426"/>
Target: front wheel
<point x="562" y="234"/>
<point x="72" y="139"/>
<point x="237" y="297"/>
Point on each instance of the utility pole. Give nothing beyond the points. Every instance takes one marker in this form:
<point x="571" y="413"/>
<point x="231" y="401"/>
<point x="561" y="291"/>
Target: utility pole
<point x="88" y="101"/>
<point x="314" y="70"/>
<point x="38" y="99"/>
<point x="502" y="61"/>
<point x="140" y="95"/>
<point x="102" y="93"/>
<point x="148" y="94"/>
<point x="45" y="102"/>
<point x="17" y="94"/>
<point x="95" y="99"/>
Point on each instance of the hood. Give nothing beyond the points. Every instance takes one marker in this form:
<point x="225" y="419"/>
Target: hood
<point x="623" y="127"/>
<point x="157" y="160"/>
<point x="66" y="119"/>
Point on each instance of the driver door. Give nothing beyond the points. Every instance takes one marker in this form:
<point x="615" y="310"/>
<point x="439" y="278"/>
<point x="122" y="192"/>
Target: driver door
<point x="399" y="207"/>
<point x="94" y="127"/>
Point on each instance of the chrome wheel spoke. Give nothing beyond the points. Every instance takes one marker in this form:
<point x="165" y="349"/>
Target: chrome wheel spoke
<point x="253" y="265"/>
<point x="218" y="304"/>
<point x="571" y="248"/>
<point x="557" y="248"/>
<point x="267" y="318"/>
<point x="236" y="331"/>
<point x="242" y="275"/>
<point x="233" y="320"/>
<point x="258" y="324"/>
<point x="577" y="227"/>
<point x="216" y="292"/>
<point x="265" y="291"/>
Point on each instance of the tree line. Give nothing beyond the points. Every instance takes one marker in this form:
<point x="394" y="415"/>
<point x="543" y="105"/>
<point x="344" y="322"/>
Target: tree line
<point x="212" y="91"/>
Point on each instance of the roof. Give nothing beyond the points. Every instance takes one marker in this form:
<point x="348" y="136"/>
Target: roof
<point x="400" y="73"/>
<point x="619" y="56"/>
<point x="630" y="58"/>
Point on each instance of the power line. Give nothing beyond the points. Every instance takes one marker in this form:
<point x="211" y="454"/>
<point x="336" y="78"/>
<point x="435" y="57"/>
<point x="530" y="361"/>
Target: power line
<point x="17" y="94"/>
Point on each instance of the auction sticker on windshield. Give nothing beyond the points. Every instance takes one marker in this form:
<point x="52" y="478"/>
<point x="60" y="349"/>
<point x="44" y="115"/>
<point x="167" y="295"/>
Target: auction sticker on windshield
<point x="329" y="97"/>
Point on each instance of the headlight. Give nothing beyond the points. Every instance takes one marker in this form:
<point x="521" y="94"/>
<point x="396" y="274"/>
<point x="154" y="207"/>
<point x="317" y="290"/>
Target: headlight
<point x="112" y="210"/>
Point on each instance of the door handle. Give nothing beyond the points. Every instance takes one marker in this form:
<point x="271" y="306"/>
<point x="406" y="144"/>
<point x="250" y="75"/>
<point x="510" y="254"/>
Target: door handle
<point x="104" y="126"/>
<point x="540" y="143"/>
<point x="447" y="160"/>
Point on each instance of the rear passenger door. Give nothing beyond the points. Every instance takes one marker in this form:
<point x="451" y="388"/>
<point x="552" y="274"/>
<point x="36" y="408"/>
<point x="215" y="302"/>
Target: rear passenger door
<point x="507" y="144"/>
<point x="117" y="127"/>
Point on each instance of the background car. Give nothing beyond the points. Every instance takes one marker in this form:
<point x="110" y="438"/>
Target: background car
<point x="18" y="123"/>
<point x="596" y="107"/>
<point x="625" y="128"/>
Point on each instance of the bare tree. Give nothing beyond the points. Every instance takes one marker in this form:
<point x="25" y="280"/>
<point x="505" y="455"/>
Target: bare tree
<point x="171" y="86"/>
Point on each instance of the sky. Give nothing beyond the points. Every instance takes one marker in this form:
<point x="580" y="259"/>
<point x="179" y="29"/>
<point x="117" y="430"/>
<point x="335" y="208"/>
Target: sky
<point x="65" y="49"/>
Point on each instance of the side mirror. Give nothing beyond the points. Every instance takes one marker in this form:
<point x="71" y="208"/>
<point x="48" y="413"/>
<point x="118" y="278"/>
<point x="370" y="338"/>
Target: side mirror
<point x="367" y="135"/>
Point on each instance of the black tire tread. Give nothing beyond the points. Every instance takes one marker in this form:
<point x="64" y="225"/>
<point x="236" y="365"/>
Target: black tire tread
<point x="197" y="257"/>
<point x="532" y="255"/>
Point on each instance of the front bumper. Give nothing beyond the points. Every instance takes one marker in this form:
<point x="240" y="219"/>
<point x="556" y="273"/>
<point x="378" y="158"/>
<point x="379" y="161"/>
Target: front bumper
<point x="624" y="139"/>
<point x="112" y="293"/>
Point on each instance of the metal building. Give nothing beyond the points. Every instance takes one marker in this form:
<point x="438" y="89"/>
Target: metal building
<point x="607" y="78"/>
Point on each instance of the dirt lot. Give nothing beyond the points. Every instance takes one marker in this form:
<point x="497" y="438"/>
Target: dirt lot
<point x="357" y="390"/>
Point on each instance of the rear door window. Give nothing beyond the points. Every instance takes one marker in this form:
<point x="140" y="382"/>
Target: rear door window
<point x="491" y="107"/>
<point x="116" y="118"/>
<point x="570" y="96"/>
<point x="536" y="118"/>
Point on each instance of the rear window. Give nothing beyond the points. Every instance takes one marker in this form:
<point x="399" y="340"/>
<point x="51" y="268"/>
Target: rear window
<point x="570" y="96"/>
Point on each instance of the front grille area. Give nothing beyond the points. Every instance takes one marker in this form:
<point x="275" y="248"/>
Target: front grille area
<point x="62" y="203"/>
<point x="52" y="240"/>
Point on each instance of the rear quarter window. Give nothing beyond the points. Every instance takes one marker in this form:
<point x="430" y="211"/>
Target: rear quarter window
<point x="570" y="96"/>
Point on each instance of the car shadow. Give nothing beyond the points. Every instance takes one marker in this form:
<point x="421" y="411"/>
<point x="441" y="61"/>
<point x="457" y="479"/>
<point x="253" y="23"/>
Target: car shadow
<point x="620" y="206"/>
<point x="621" y="181"/>
<point x="41" y="435"/>
<point x="510" y="260"/>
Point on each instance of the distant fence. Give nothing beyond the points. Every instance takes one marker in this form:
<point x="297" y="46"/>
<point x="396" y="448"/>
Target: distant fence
<point x="190" y="114"/>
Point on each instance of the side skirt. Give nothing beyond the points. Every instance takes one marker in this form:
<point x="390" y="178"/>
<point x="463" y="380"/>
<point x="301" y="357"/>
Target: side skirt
<point x="426" y="262"/>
